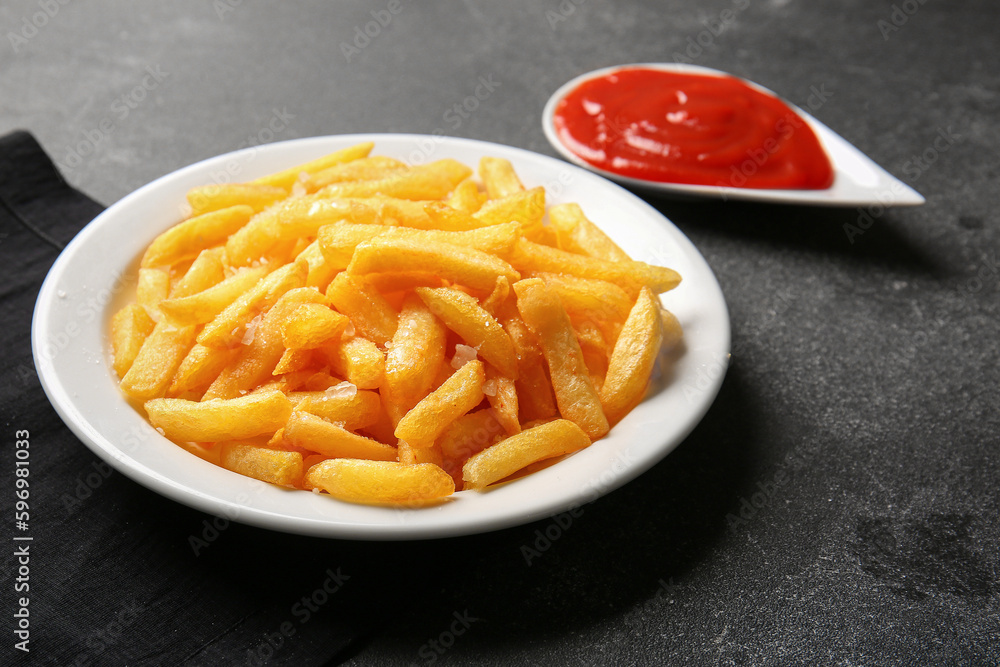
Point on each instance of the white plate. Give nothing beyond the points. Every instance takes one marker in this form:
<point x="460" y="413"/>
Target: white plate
<point x="90" y="278"/>
<point x="858" y="181"/>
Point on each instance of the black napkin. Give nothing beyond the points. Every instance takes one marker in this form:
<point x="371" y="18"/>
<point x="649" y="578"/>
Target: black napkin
<point x="116" y="574"/>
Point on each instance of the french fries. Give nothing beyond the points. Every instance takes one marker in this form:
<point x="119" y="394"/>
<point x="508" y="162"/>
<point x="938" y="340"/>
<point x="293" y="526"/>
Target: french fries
<point x="388" y="334"/>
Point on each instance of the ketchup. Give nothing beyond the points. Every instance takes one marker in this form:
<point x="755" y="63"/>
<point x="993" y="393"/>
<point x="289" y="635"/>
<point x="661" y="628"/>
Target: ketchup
<point x="697" y="129"/>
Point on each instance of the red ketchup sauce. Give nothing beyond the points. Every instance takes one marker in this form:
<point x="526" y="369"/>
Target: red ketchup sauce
<point x="697" y="129"/>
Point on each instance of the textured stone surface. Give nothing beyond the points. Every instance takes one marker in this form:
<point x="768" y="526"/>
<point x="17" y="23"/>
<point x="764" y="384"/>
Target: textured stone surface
<point x="862" y="401"/>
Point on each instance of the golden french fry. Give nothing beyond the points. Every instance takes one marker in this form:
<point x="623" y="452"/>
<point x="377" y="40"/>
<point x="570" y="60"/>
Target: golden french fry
<point x="229" y="327"/>
<point x="588" y="297"/>
<point x="158" y="359"/>
<point x="466" y="197"/>
<point x="535" y="396"/>
<point x="304" y="216"/>
<point x="496" y="239"/>
<point x="287" y="178"/>
<point x="631" y="276"/>
<point x="342" y="404"/>
<point x="672" y="331"/>
<point x="339" y="241"/>
<point x="194" y="235"/>
<point x="152" y="287"/>
<point x="314" y="433"/>
<point x="364" y="169"/>
<point x="387" y="283"/>
<point x="503" y="459"/>
<point x="389" y="482"/>
<point x="527" y="208"/>
<point x="268" y="465"/>
<point x="219" y="420"/>
<point x="633" y="357"/>
<point x="199" y="369"/>
<point x="293" y="360"/>
<point x="208" y="198"/>
<point x="262" y="346"/>
<point x="416" y="352"/>
<point x="320" y="271"/>
<point x="466" y="266"/>
<point x="129" y="328"/>
<point x="462" y="314"/>
<point x="575" y="394"/>
<point x="430" y="181"/>
<point x="373" y="316"/>
<point x="358" y="360"/>
<point x="414" y="455"/>
<point x="311" y="325"/>
<point x="577" y="234"/>
<point x="460" y="393"/>
<point x="498" y="177"/>
<point x="206" y="270"/>
<point x="251" y="242"/>
<point x="501" y="392"/>
<point x="204" y="306"/>
<point x="469" y="434"/>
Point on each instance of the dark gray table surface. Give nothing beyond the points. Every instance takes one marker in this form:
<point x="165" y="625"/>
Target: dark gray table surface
<point x="863" y="390"/>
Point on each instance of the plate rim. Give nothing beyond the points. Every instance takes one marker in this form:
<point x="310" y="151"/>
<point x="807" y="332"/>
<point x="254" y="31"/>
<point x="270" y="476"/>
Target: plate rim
<point x="904" y="195"/>
<point x="182" y="490"/>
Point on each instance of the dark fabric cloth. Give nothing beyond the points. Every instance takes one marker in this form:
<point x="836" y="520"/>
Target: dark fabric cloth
<point x="119" y="575"/>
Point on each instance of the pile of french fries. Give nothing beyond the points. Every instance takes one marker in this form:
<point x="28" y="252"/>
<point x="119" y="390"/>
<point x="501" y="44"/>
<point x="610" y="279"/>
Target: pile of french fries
<point x="388" y="333"/>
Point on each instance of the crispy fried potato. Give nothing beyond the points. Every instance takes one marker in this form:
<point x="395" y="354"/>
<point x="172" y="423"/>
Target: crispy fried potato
<point x="576" y="233"/>
<point x="575" y="394"/>
<point x="312" y="325"/>
<point x="499" y="178"/>
<point x="430" y="181"/>
<point x="208" y="198"/>
<point x="314" y="433"/>
<point x="219" y="420"/>
<point x="503" y="459"/>
<point x="459" y="394"/>
<point x="388" y="482"/>
<point x="416" y="353"/>
<point x="268" y="465"/>
<point x="370" y="312"/>
<point x="466" y="266"/>
<point x="342" y="404"/>
<point x="204" y="306"/>
<point x="287" y="178"/>
<point x="194" y="235"/>
<point x="633" y="357"/>
<point x="631" y="276"/>
<point x="129" y="328"/>
<point x="462" y="314"/>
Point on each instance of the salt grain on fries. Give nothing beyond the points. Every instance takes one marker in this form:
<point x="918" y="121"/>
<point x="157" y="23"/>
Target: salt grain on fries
<point x="388" y="334"/>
